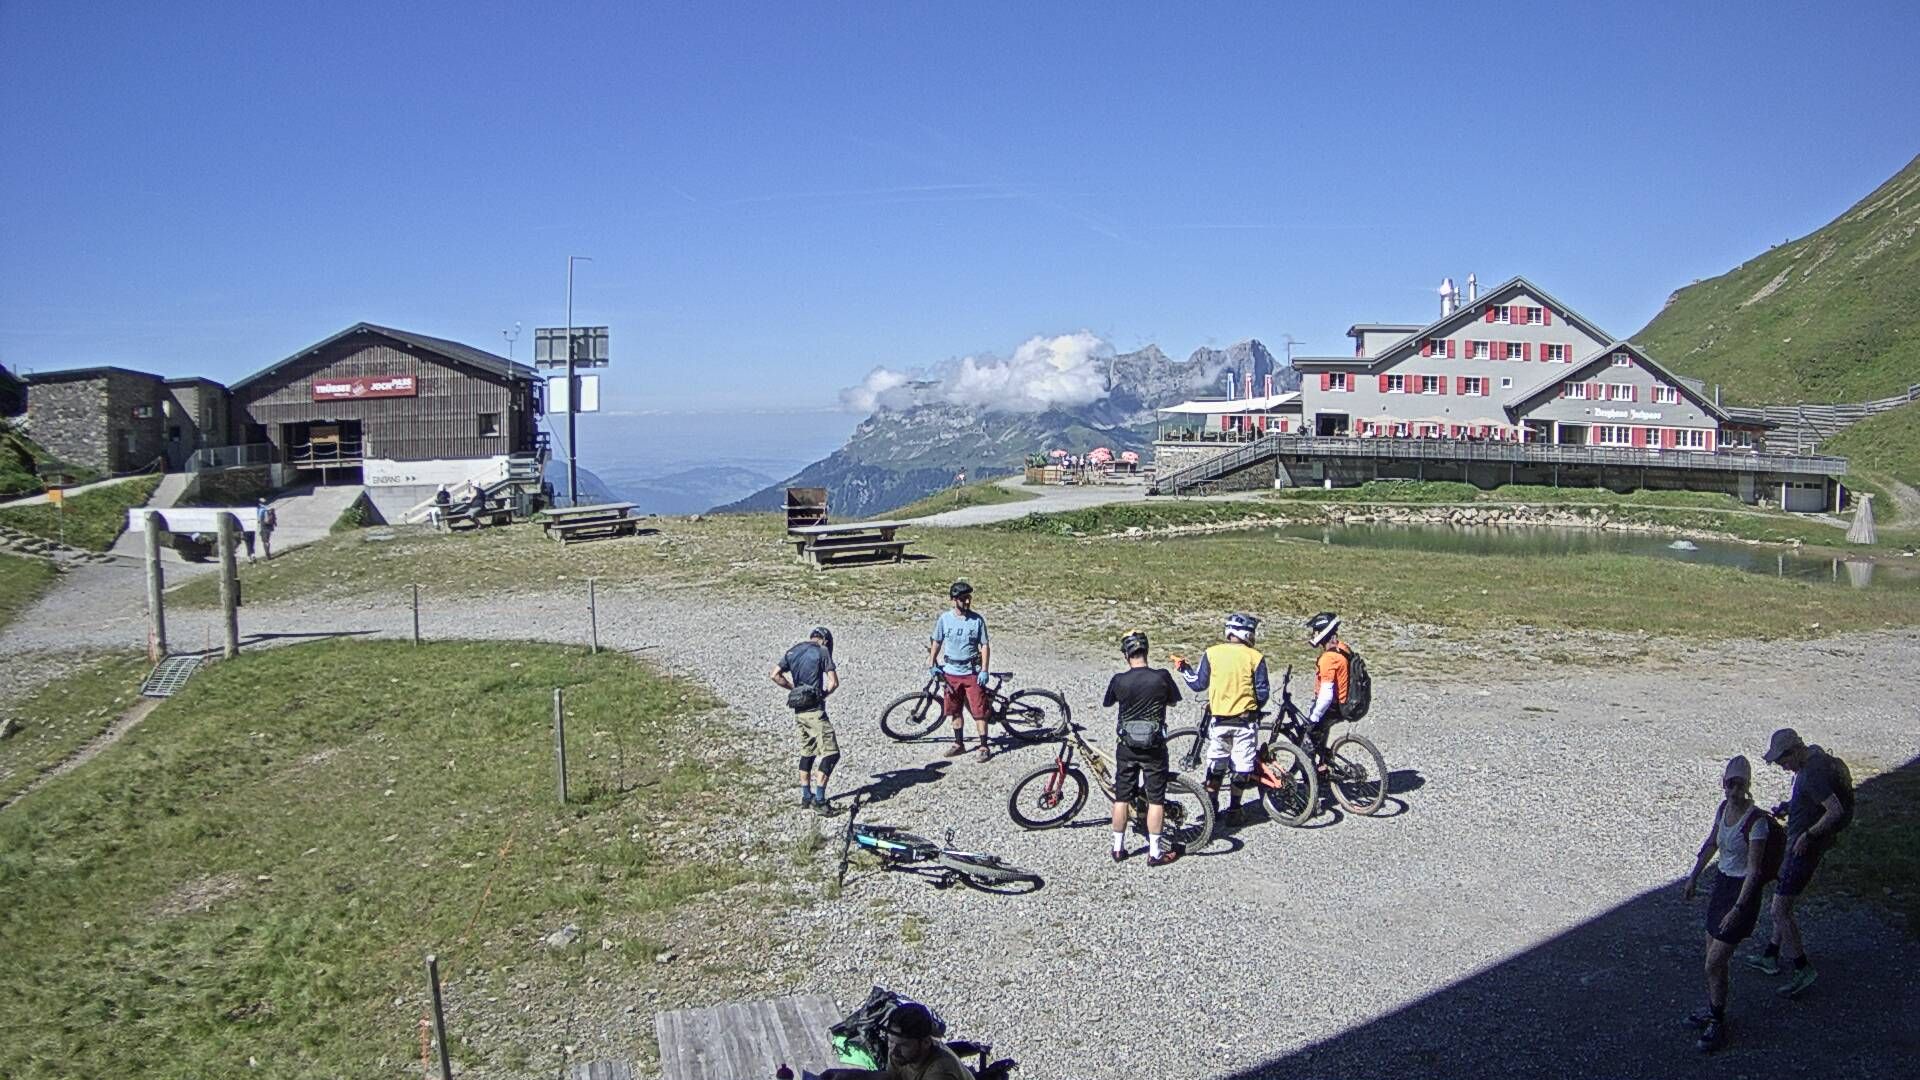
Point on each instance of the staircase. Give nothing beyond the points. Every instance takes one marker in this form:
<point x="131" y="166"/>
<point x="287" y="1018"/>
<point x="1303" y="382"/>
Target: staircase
<point x="1216" y="468"/>
<point x="516" y="480"/>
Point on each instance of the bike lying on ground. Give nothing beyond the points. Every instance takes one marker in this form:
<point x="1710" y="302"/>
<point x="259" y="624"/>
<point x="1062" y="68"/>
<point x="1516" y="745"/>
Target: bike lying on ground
<point x="904" y="851"/>
<point x="1028" y="715"/>
<point x="1290" y="769"/>
<point x="1050" y="796"/>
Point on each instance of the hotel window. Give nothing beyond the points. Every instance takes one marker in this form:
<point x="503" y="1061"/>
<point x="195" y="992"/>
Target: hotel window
<point x="1577" y="391"/>
<point x="1437" y="346"/>
<point x="1399" y="431"/>
<point x="1619" y="391"/>
<point x="1515" y="350"/>
<point x="1554" y="353"/>
<point x="1429" y="384"/>
<point x="1666" y="395"/>
<point x="1506" y="384"/>
<point x="1429" y="431"/>
<point x="1612" y="435"/>
<point x="1476" y="387"/>
<point x="1535" y="316"/>
<point x="1690" y="439"/>
<point x="489" y="423"/>
<point x="1477" y="350"/>
<point x="1502" y="313"/>
<point x="1621" y="359"/>
<point x="1396" y="384"/>
<point x="1337" y="381"/>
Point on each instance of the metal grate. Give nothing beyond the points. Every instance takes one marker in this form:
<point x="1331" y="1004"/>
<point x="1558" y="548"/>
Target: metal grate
<point x="170" y="676"/>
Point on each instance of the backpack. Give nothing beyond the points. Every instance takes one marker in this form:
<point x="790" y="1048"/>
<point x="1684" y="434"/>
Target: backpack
<point x="1767" y="862"/>
<point x="1359" y="687"/>
<point x="860" y="1040"/>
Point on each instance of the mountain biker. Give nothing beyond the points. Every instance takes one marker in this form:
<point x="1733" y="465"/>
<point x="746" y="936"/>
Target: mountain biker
<point x="1739" y="835"/>
<point x="1329" y="680"/>
<point x="913" y="1052"/>
<point x="1143" y="695"/>
<point x="959" y="653"/>
<point x="1234" y="675"/>
<point x="807" y="673"/>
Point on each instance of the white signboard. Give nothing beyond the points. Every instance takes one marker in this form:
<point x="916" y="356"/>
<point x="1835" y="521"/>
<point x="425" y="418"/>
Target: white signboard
<point x="193" y="519"/>
<point x="589" y="393"/>
<point x="1626" y="414"/>
<point x="383" y="472"/>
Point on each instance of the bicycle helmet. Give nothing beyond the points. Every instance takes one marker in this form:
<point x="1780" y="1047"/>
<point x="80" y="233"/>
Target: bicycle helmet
<point x="1321" y="627"/>
<point x="959" y="589"/>
<point x="1134" y="644"/>
<point x="1242" y="626"/>
<point x="824" y="636"/>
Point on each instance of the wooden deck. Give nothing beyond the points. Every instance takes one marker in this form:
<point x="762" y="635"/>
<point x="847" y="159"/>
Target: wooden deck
<point x="744" y="1041"/>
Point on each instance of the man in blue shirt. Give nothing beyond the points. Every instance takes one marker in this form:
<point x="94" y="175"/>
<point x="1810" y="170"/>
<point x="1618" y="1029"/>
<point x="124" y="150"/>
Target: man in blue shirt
<point x="807" y="673"/>
<point x="959" y="653"/>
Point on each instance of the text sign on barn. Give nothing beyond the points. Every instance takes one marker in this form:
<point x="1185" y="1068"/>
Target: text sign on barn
<point x="365" y="386"/>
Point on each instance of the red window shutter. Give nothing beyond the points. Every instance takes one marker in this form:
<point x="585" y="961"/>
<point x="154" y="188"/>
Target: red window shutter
<point x="1546" y="315"/>
<point x="1352" y="384"/>
<point x="1441" y="383"/>
<point x="1633" y="393"/>
<point x="1459" y="384"/>
<point x="1383" y="384"/>
<point x="1712" y="439"/>
<point x="1526" y="350"/>
<point x="1450" y="349"/>
<point x="1326" y="380"/>
<point x="1489" y="312"/>
<point x="1668" y="438"/>
<point x="1426" y="347"/>
<point x="1639" y="436"/>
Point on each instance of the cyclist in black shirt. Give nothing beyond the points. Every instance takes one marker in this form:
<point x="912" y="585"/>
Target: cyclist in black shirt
<point x="1143" y="695"/>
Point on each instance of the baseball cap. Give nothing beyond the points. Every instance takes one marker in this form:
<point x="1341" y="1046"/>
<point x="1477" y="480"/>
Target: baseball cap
<point x="1738" y="766"/>
<point x="910" y="1020"/>
<point x="1784" y="742"/>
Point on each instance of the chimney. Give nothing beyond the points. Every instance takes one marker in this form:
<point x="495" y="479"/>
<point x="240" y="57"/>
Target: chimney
<point x="1473" y="288"/>
<point x="1269" y="384"/>
<point x="1449" y="298"/>
<point x="1249" y="384"/>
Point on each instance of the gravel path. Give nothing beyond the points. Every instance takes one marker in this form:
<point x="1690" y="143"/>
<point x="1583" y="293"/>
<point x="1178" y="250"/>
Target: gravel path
<point x="1048" y="500"/>
<point x="1519" y="912"/>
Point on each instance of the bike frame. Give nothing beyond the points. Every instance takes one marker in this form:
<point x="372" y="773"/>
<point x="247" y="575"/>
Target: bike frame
<point x="991" y="686"/>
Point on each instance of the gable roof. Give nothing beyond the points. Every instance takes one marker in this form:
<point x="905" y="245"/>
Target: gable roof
<point x="464" y="355"/>
<point x="97" y="372"/>
<point x="1521" y="401"/>
<point x="1464" y="314"/>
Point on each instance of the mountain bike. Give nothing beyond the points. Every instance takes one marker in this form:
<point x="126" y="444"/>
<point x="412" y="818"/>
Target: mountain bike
<point x="946" y="864"/>
<point x="1281" y="769"/>
<point x="1050" y="796"/>
<point x="1028" y="715"/>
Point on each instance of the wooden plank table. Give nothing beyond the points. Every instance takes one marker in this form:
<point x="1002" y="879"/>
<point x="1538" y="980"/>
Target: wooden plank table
<point x="600" y="521"/>
<point x="748" y="1040"/>
<point x="824" y="544"/>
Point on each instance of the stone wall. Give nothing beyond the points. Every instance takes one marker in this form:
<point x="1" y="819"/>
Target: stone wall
<point x="69" y="419"/>
<point x="136" y="418"/>
<point x="1169" y="458"/>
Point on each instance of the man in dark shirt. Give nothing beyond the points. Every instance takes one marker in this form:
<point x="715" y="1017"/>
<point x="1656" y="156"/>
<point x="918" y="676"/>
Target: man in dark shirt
<point x="1820" y="806"/>
<point x="1143" y="695"/>
<point x="807" y="673"/>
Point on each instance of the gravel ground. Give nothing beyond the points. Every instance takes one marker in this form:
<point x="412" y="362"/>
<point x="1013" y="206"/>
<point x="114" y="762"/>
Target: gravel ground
<point x="1518" y="911"/>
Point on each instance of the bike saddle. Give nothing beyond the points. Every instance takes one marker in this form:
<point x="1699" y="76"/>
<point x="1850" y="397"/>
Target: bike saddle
<point x="1001" y="674"/>
<point x="969" y="1048"/>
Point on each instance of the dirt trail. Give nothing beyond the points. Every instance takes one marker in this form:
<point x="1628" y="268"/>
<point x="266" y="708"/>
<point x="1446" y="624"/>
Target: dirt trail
<point x="127" y="722"/>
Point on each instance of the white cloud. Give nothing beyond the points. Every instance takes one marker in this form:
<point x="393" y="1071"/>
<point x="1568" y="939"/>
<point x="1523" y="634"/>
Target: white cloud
<point x="1044" y="372"/>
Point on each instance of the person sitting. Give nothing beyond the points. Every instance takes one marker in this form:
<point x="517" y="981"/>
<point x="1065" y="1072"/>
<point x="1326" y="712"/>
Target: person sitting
<point x="913" y="1052"/>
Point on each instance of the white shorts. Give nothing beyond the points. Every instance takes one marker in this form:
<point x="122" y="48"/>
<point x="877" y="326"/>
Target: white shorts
<point x="1233" y="743"/>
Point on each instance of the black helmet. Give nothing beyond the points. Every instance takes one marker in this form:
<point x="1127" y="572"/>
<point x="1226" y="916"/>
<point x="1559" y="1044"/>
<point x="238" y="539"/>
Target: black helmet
<point x="959" y="589"/>
<point x="910" y="1020"/>
<point x="1322" y="626"/>
<point x="824" y="636"/>
<point x="1134" y="644"/>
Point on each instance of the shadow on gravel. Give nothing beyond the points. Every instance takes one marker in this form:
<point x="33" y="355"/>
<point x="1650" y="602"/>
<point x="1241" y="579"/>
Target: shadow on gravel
<point x="1401" y="781"/>
<point x="316" y="635"/>
<point x="1604" y="999"/>
<point x="885" y="785"/>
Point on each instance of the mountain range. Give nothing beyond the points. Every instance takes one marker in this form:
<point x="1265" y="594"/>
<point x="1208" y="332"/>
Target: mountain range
<point x="899" y="454"/>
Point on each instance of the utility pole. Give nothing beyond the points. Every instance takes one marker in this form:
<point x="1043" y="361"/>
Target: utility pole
<point x="573" y="405"/>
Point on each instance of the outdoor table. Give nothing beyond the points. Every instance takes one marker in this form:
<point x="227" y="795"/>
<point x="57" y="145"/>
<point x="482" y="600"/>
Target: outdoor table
<point x="872" y="540"/>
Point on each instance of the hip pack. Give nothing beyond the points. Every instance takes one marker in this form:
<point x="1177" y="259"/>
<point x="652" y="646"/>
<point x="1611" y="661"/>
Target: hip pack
<point x="1143" y="734"/>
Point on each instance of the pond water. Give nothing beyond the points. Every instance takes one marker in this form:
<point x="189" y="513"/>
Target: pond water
<point x="1543" y="541"/>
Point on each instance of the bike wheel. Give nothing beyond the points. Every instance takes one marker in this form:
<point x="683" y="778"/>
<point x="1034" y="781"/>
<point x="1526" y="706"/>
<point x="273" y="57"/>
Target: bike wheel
<point x="1357" y="774"/>
<point x="1189" y="814"/>
<point x="1182" y="742"/>
<point x="911" y="716"/>
<point x="1032" y="715"/>
<point x="977" y="869"/>
<point x="1040" y="801"/>
<point x="1288" y="784"/>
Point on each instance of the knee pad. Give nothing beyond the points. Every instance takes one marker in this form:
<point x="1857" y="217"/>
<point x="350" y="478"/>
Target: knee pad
<point x="1243" y="779"/>
<point x="1216" y="772"/>
<point x="828" y="762"/>
<point x="806" y="762"/>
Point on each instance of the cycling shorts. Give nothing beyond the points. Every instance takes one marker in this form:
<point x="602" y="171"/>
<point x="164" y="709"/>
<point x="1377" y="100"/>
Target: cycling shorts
<point x="965" y="688"/>
<point x="1144" y="770"/>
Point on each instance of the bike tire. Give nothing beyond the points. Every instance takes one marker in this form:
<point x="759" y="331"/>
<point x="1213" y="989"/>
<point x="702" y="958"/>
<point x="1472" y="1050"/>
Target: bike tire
<point x="911" y="716"/>
<point x="1027" y="715"/>
<point x="991" y="869"/>
<point x="1189" y="814"/>
<point x="1032" y="806"/>
<point x="1357" y="774"/>
<point x="1298" y="797"/>
<point x="1181" y="742"/>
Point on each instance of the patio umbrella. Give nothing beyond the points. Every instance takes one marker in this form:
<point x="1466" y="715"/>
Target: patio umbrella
<point x="1056" y="453"/>
<point x="1100" y="455"/>
<point x="1130" y="457"/>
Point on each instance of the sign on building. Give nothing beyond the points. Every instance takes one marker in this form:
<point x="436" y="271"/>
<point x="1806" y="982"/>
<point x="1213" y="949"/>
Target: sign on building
<point x="589" y="393"/>
<point x="589" y="347"/>
<point x="365" y="386"/>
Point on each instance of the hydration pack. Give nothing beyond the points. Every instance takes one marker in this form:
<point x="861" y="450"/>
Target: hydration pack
<point x="1359" y="687"/>
<point x="1765" y="862"/>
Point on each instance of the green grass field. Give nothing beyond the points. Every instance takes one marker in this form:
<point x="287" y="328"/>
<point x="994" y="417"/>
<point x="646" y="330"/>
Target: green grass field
<point x="255" y="872"/>
<point x="1881" y="448"/>
<point x="91" y="520"/>
<point x="985" y="493"/>
<point x="60" y="717"/>
<point x="25" y="464"/>
<point x="22" y="581"/>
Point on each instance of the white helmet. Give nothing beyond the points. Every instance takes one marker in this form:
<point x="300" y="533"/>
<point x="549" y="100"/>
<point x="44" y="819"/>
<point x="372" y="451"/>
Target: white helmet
<point x="1321" y="627"/>
<point x="1242" y="626"/>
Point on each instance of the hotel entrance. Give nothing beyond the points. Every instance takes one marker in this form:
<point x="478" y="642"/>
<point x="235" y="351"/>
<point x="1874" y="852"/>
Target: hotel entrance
<point x="333" y="448"/>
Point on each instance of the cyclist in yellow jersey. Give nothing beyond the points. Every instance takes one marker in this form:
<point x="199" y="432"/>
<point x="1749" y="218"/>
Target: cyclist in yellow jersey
<point x="1234" y="675"/>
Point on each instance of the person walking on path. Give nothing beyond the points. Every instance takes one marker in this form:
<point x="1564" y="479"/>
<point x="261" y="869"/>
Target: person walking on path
<point x="1740" y="834"/>
<point x="1234" y="675"/>
<point x="268" y="522"/>
<point x="808" y="676"/>
<point x="1820" y="806"/>
<point x="1143" y="695"/>
<point x="959" y="653"/>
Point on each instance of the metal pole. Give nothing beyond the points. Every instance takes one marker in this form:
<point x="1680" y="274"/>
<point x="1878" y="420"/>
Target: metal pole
<point x="416" y="613"/>
<point x="573" y="440"/>
<point x="560" y="743"/>
<point x="439" y="1016"/>
<point x="230" y="583"/>
<point x="593" y="617"/>
<point x="156" y="586"/>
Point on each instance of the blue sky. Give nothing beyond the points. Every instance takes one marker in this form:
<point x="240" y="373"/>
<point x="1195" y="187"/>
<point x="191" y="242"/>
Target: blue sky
<point x="780" y="197"/>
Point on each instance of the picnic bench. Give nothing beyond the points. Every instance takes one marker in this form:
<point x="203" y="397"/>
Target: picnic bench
<point x="601" y="521"/>
<point x="824" y="545"/>
<point x="743" y="1041"/>
<point x="469" y="518"/>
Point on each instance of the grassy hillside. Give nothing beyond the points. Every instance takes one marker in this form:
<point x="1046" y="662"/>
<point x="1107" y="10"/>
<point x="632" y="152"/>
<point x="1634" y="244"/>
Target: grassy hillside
<point x="21" y="583"/>
<point x="92" y="520"/>
<point x="1880" y="449"/>
<point x="23" y="464"/>
<point x="1834" y="316"/>
<point x="985" y="493"/>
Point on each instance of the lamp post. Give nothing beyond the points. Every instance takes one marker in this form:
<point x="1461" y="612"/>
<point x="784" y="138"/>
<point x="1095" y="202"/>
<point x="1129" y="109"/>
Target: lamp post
<point x="573" y="442"/>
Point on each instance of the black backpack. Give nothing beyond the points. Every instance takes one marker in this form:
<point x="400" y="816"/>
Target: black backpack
<point x="1766" y="861"/>
<point x="1359" y="687"/>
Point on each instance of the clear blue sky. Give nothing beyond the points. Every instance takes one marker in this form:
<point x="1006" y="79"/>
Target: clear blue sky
<point x="780" y="196"/>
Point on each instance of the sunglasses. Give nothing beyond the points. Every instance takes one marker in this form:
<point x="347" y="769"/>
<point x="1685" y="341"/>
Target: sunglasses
<point x="1734" y="781"/>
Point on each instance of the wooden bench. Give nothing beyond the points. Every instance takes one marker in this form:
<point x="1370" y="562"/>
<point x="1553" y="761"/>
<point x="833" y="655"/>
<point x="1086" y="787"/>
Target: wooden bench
<point x="601" y="521"/>
<point x="459" y="520"/>
<point x="747" y="1040"/>
<point x="862" y="541"/>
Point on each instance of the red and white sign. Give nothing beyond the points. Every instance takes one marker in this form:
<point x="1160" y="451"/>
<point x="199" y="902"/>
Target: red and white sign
<point x="365" y="386"/>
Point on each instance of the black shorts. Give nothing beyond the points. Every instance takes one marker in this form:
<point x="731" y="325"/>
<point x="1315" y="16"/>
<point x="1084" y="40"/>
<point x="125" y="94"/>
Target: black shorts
<point x="1145" y="769"/>
<point x="1724" y="898"/>
<point x="1796" y="872"/>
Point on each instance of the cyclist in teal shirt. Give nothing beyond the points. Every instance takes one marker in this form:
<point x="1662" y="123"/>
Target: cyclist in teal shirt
<point x="959" y="653"/>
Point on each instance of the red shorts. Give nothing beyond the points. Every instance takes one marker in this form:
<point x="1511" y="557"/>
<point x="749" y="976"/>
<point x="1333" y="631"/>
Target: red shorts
<point x="968" y="687"/>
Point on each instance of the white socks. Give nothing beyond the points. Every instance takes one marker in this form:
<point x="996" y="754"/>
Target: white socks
<point x="1153" y="845"/>
<point x="1120" y="842"/>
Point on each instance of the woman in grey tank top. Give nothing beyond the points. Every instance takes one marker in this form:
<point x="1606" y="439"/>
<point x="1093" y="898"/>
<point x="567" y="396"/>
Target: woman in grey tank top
<point x="1739" y="836"/>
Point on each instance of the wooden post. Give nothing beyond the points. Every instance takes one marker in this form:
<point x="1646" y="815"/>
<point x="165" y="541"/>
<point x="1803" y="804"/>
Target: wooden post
<point x="156" y="587"/>
<point x="439" y="1016"/>
<point x="593" y="619"/>
<point x="560" y="743"/>
<point x="229" y="583"/>
<point x="416" y="613"/>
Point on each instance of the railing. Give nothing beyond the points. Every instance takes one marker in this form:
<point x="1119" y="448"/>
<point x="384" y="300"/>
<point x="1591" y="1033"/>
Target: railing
<point x="229" y="457"/>
<point x="1815" y="423"/>
<point x="325" y="455"/>
<point x="1500" y="453"/>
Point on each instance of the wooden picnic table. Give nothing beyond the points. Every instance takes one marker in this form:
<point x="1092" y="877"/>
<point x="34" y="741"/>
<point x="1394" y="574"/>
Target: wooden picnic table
<point x="600" y="521"/>
<point x="748" y="1040"/>
<point x="824" y="544"/>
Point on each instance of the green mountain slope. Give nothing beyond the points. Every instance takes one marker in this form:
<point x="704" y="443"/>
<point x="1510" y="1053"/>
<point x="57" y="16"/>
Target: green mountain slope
<point x="1834" y="316"/>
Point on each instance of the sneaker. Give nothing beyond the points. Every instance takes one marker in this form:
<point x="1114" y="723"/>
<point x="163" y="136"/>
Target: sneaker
<point x="986" y="753"/>
<point x="1713" y="1037"/>
<point x="1764" y="964"/>
<point x="822" y="807"/>
<point x="1802" y="979"/>
<point x="954" y="750"/>
<point x="1118" y="856"/>
<point x="1699" y="1019"/>
<point x="806" y="800"/>
<point x="1167" y="855"/>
